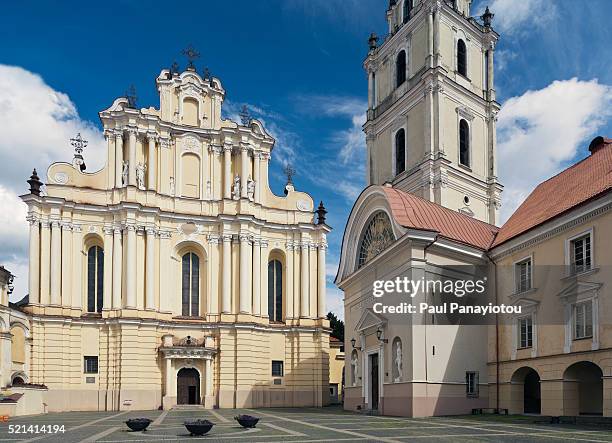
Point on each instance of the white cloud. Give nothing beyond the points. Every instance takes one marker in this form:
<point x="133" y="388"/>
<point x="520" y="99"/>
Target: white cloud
<point x="37" y="124"/>
<point x="335" y="301"/>
<point x="549" y="127"/>
<point x="512" y="16"/>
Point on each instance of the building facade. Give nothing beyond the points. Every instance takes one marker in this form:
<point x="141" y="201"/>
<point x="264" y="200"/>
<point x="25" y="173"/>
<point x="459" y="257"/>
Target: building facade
<point x="429" y="210"/>
<point x="174" y="274"/>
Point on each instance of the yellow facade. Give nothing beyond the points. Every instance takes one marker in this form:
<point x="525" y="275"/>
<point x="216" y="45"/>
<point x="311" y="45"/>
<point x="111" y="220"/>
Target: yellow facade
<point x="149" y="279"/>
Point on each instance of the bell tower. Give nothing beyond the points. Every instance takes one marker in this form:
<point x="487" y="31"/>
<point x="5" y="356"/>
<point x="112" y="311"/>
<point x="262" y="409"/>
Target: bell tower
<point x="430" y="126"/>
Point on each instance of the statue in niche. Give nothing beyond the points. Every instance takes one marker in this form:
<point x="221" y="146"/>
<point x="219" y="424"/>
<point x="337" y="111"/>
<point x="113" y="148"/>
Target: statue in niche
<point x="124" y="173"/>
<point x="140" y="175"/>
<point x="398" y="362"/>
<point x="354" y="363"/>
<point x="208" y="189"/>
<point x="251" y="189"/>
<point x="236" y="188"/>
<point x="171" y="185"/>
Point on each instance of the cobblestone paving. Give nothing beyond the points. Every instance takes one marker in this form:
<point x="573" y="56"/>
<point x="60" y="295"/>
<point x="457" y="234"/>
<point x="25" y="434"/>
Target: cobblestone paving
<point x="295" y="425"/>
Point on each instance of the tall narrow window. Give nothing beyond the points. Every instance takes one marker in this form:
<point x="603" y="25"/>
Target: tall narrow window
<point x="400" y="151"/>
<point x="525" y="332"/>
<point x="407" y="10"/>
<point x="583" y="320"/>
<point x="400" y="69"/>
<point x="471" y="384"/>
<point x="191" y="285"/>
<point x="580" y="251"/>
<point x="461" y="58"/>
<point x="523" y="275"/>
<point x="95" y="278"/>
<point x="464" y="143"/>
<point x="275" y="290"/>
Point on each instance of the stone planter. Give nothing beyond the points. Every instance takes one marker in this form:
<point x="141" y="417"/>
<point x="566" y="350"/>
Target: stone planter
<point x="138" y="424"/>
<point x="246" y="421"/>
<point x="198" y="427"/>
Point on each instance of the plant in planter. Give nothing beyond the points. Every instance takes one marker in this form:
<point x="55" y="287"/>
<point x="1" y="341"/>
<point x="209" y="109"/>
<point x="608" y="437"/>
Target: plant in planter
<point x="198" y="426"/>
<point x="138" y="424"/>
<point x="246" y="421"/>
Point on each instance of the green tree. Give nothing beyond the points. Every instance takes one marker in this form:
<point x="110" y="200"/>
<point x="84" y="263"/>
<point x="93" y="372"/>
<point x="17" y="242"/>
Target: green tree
<point x="337" y="326"/>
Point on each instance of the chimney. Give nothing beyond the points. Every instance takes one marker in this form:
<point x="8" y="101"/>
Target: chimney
<point x="598" y="143"/>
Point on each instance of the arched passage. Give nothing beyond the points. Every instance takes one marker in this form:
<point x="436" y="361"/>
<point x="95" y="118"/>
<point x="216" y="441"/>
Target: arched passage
<point x="526" y="394"/>
<point x="188" y="387"/>
<point x="583" y="389"/>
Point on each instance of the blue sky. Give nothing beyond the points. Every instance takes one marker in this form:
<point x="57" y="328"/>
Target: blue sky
<point x="297" y="63"/>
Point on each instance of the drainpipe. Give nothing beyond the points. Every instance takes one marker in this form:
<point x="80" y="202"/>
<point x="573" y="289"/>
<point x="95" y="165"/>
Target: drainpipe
<point x="496" y="338"/>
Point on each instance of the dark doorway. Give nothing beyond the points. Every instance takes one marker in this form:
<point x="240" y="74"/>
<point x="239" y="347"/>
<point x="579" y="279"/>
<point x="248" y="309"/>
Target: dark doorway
<point x="188" y="387"/>
<point x="374" y="381"/>
<point x="531" y="393"/>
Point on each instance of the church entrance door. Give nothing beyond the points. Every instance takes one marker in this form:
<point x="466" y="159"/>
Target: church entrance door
<point x="188" y="387"/>
<point x="374" y="381"/>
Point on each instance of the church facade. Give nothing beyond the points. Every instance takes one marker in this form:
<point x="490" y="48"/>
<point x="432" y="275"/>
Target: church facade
<point x="174" y="275"/>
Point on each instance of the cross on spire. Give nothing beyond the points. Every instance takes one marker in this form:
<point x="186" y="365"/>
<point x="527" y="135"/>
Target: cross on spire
<point x="79" y="143"/>
<point x="131" y="96"/>
<point x="191" y="53"/>
<point x="289" y="172"/>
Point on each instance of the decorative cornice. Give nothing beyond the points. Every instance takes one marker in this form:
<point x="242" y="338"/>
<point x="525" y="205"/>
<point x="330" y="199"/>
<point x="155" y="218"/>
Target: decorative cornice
<point x="213" y="239"/>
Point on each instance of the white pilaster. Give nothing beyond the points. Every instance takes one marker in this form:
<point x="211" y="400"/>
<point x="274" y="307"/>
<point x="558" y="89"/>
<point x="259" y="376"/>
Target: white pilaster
<point x="227" y="170"/>
<point x="209" y="376"/>
<point x="256" y="277"/>
<point x="45" y="262"/>
<point x="289" y="283"/>
<point x="264" y="278"/>
<point x="152" y="166"/>
<point x="257" y="176"/>
<point x="131" y="266"/>
<point x="305" y="279"/>
<point x="246" y="300"/>
<point x="244" y="170"/>
<point x="56" y="262"/>
<point x="118" y="158"/>
<point x="150" y="270"/>
<point x="108" y="268"/>
<point x="77" y="268"/>
<point x="321" y="291"/>
<point x="34" y="263"/>
<point x="117" y="268"/>
<point x="132" y="156"/>
<point x="226" y="303"/>
<point x="213" y="303"/>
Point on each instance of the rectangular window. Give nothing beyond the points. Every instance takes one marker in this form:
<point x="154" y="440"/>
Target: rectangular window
<point x="91" y="365"/>
<point x="277" y="368"/>
<point x="580" y="254"/>
<point x="583" y="320"/>
<point x="523" y="276"/>
<point x="471" y="384"/>
<point x="525" y="332"/>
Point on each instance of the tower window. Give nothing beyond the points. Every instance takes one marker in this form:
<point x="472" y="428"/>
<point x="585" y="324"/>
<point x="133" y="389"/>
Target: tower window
<point x="95" y="278"/>
<point x="461" y="58"/>
<point x="275" y="290"/>
<point x="400" y="151"/>
<point x="407" y="10"/>
<point x="464" y="143"/>
<point x="400" y="69"/>
<point x="191" y="285"/>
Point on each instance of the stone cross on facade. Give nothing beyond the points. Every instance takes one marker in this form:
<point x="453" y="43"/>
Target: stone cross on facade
<point x="79" y="144"/>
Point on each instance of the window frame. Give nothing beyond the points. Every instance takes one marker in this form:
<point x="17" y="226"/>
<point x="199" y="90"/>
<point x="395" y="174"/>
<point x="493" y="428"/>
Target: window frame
<point x="529" y="335"/>
<point x="465" y="57"/>
<point x="472" y="389"/>
<point x="404" y="72"/>
<point x="193" y="294"/>
<point x="95" y="294"/>
<point x="518" y="288"/>
<point x="396" y="162"/>
<point x="570" y="257"/>
<point x="583" y="307"/>
<point x="468" y="142"/>
<point x="282" y="368"/>
<point x="91" y="358"/>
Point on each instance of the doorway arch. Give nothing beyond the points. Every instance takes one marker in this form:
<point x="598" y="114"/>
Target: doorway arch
<point x="188" y="387"/>
<point x="526" y="394"/>
<point x="583" y="389"/>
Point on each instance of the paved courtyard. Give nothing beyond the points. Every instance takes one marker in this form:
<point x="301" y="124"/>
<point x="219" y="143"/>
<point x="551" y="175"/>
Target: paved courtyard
<point x="300" y="425"/>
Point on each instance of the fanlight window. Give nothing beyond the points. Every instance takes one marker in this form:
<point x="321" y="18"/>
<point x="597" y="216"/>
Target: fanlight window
<point x="376" y="237"/>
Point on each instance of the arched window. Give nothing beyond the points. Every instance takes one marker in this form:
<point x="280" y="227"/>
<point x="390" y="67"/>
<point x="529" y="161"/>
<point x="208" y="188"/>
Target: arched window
<point x="275" y="290"/>
<point x="191" y="285"/>
<point x="464" y="143"/>
<point x="400" y="151"/>
<point x="376" y="236"/>
<point x="407" y="10"/>
<point x="400" y="68"/>
<point x="95" y="278"/>
<point x="461" y="58"/>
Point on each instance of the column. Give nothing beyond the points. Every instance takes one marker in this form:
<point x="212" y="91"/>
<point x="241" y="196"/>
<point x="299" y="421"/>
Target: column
<point x="289" y="283"/>
<point x="246" y="301"/>
<point x="169" y="392"/>
<point x="131" y="267"/>
<point x="132" y="156"/>
<point x="118" y="158"/>
<point x="165" y="262"/>
<point x="209" y="391"/>
<point x="321" y="274"/>
<point x="296" y="280"/>
<point x="256" y="176"/>
<point x="152" y="166"/>
<point x="312" y="281"/>
<point x="244" y="171"/>
<point x="305" y="278"/>
<point x="77" y="268"/>
<point x="226" y="302"/>
<point x="45" y="261"/>
<point x="491" y="72"/>
<point x="256" y="277"/>
<point x="430" y="38"/>
<point x="435" y="9"/>
<point x="150" y="270"/>
<point x="264" y="278"/>
<point x="213" y="306"/>
<point x="56" y="262"/>
<point x="117" y="267"/>
<point x="370" y="89"/>
<point x="227" y="171"/>
<point x="108" y="268"/>
<point x="34" y="261"/>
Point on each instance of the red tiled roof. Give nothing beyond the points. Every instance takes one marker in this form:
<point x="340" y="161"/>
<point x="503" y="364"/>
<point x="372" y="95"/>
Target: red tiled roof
<point x="566" y="190"/>
<point x="415" y="212"/>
